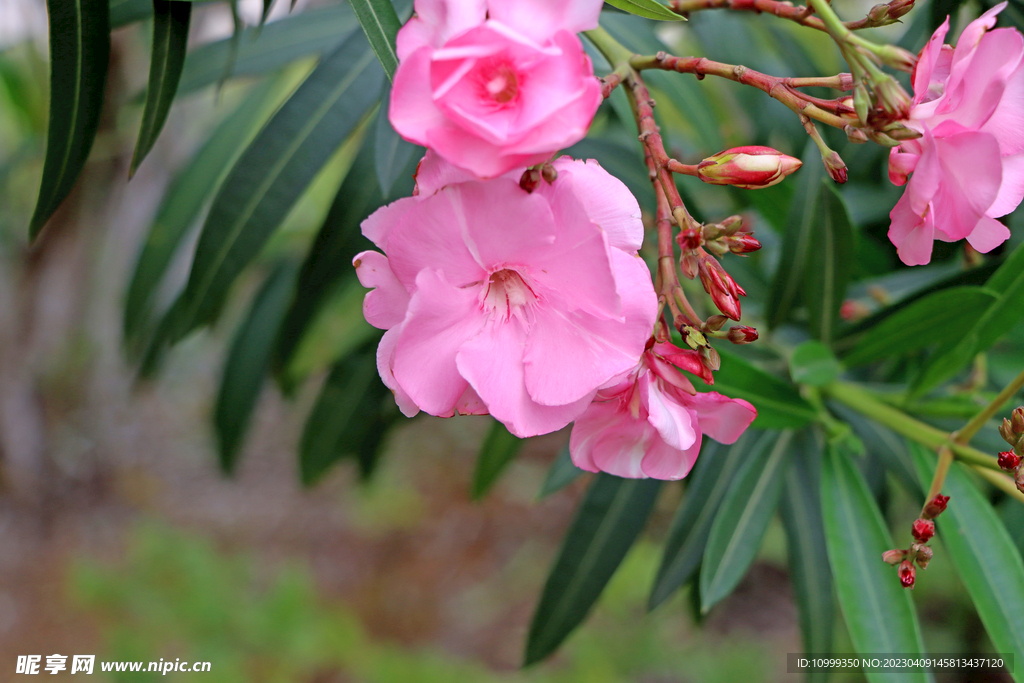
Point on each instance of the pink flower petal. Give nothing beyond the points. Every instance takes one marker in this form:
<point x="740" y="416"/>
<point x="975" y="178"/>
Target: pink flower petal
<point x="662" y="461"/>
<point x="377" y="227"/>
<point x="385" y="361"/>
<point x="412" y="112"/>
<point x="385" y="306"/>
<point x="541" y="19"/>
<point x="988" y="234"/>
<point x="912" y="233"/>
<point x="670" y="418"/>
<point x="438" y="20"/>
<point x="1011" y="191"/>
<point x="722" y="418"/>
<point x="590" y="428"/>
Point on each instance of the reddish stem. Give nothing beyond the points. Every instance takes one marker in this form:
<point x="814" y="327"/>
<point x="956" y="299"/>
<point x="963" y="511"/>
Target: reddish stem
<point x="801" y="15"/>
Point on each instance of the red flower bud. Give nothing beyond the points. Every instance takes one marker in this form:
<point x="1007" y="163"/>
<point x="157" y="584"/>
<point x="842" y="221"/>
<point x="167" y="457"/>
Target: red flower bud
<point x="1017" y="420"/>
<point x="835" y="166"/>
<point x="530" y="179"/>
<point x="935" y="506"/>
<point x="894" y="557"/>
<point x="723" y="289"/>
<point x="907" y="574"/>
<point x="741" y="334"/>
<point x="924" y="556"/>
<point x="690" y="239"/>
<point x="899" y="8"/>
<point x="1009" y="461"/>
<point x="549" y="173"/>
<point x="923" y="530"/>
<point x="750" y="167"/>
<point x="688" y="265"/>
<point x="743" y="243"/>
<point x="852" y="310"/>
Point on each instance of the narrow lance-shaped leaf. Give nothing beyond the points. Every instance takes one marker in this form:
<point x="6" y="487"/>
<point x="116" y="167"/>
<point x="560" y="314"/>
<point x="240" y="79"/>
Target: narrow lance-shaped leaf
<point x="351" y="417"/>
<point x="79" y="53"/>
<point x="607" y="523"/>
<point x="878" y="611"/>
<point x="984" y="554"/>
<point x="649" y="9"/>
<point x="805" y="539"/>
<point x="248" y="361"/>
<point x="831" y="262"/>
<point x="392" y="153"/>
<point x="562" y="473"/>
<point x="170" y="37"/>
<point x="499" y="448"/>
<point x="707" y="483"/>
<point x="274" y="171"/>
<point x="380" y="24"/>
<point x="742" y="519"/>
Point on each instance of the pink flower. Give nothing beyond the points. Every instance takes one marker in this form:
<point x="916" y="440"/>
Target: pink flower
<point x="651" y="423"/>
<point x="968" y="168"/>
<point x="495" y="85"/>
<point x="496" y="300"/>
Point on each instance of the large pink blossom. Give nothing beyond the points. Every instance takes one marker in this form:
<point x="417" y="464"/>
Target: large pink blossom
<point x="968" y="166"/>
<point x="494" y="85"/>
<point x="497" y="300"/>
<point x="651" y="422"/>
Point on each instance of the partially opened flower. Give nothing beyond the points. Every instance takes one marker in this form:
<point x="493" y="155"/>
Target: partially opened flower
<point x="651" y="422"/>
<point x="502" y="301"/>
<point x="495" y="85"/>
<point x="968" y="166"/>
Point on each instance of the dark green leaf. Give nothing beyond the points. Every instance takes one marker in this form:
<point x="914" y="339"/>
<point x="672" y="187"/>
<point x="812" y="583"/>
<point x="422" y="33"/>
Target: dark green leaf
<point x="267" y="49"/>
<point x="562" y="473"/>
<point x="349" y="417"/>
<point x="743" y="517"/>
<point x="814" y="364"/>
<point x="392" y="153"/>
<point x="380" y="24"/>
<point x="248" y="361"/>
<point x="684" y="548"/>
<point x="801" y="222"/>
<point x="170" y="36"/>
<point x="79" y="52"/>
<point x="983" y="552"/>
<point x="496" y="452"/>
<point x="274" y="171"/>
<point x="1000" y="316"/>
<point x="882" y="443"/>
<point x="649" y="9"/>
<point x="779" y="404"/>
<point x="936" y="318"/>
<point x="607" y="523"/>
<point x="877" y="609"/>
<point x="805" y="538"/>
<point x="832" y="248"/>
<point x="188" y="192"/>
<point x="124" y="12"/>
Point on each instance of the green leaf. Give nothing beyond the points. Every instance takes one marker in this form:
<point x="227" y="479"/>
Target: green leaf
<point x="562" y="473"/>
<point x="265" y="50"/>
<point x="497" y="451"/>
<point x="832" y="248"/>
<point x="814" y="364"/>
<point x="351" y="417"/>
<point x="380" y="24"/>
<point x="274" y="171"/>
<point x="248" y="361"/>
<point x="882" y="443"/>
<point x="124" y="12"/>
<point x="79" y="52"/>
<point x="984" y="554"/>
<point x="801" y="222"/>
<point x="1000" y="316"/>
<point x="743" y="517"/>
<point x="188" y="192"/>
<point x="708" y="482"/>
<point x="877" y="609"/>
<point x="805" y="538"/>
<point x="170" y="36"/>
<point x="936" y="318"/>
<point x="392" y="153"/>
<point x="779" y="404"/>
<point x="649" y="9"/>
<point x="329" y="262"/>
<point x="607" y="523"/>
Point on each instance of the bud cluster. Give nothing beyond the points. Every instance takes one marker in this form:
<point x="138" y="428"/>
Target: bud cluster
<point x="731" y="235"/>
<point x="923" y="529"/>
<point x="1012" y="431"/>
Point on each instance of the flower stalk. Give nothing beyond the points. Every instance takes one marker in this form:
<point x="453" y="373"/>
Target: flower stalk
<point x="981" y="419"/>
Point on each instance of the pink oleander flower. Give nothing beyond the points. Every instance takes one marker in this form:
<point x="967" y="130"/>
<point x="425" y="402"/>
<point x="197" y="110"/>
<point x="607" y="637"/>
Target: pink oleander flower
<point x="502" y="301"/>
<point x="493" y="85"/>
<point x="968" y="166"/>
<point x="651" y="422"/>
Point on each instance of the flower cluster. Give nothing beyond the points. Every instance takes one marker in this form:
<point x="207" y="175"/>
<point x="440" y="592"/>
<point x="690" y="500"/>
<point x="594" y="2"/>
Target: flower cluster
<point x="919" y="552"/>
<point x="1012" y="430"/>
<point x="510" y="284"/>
<point x="968" y="165"/>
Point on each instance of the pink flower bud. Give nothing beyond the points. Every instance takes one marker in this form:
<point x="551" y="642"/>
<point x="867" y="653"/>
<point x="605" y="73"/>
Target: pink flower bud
<point x="741" y="334"/>
<point x="907" y="574"/>
<point x="894" y="557"/>
<point x="878" y="14"/>
<point x="852" y="310"/>
<point x="1017" y="420"/>
<point x="715" y="322"/>
<point x="924" y="556"/>
<point x="923" y="530"/>
<point x="688" y="265"/>
<point x="710" y="359"/>
<point x="897" y="58"/>
<point x="719" y="284"/>
<point x="1009" y="461"/>
<point x="835" y="166"/>
<point x="1006" y="431"/>
<point x="750" y="167"/>
<point x="935" y="507"/>
<point x="892" y="98"/>
<point x="899" y="8"/>
<point x="743" y="243"/>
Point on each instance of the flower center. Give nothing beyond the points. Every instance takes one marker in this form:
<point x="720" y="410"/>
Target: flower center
<point x="507" y="294"/>
<point x="501" y="84"/>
